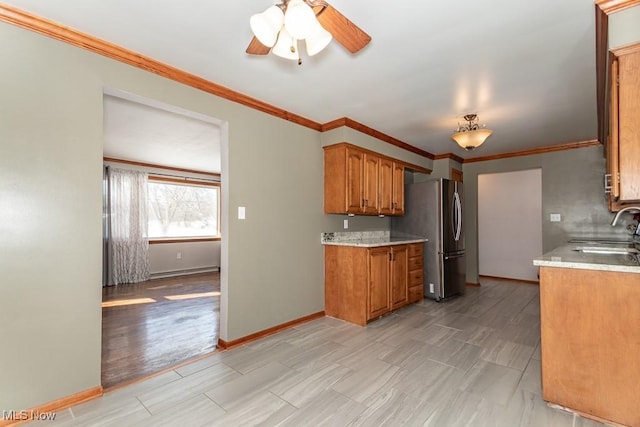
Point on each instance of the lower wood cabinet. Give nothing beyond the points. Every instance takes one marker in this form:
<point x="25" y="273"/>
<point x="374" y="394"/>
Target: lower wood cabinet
<point x="590" y="342"/>
<point x="416" y="272"/>
<point x="362" y="284"/>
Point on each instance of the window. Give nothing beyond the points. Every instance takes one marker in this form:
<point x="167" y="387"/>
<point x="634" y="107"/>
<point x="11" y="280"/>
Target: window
<point x="180" y="210"/>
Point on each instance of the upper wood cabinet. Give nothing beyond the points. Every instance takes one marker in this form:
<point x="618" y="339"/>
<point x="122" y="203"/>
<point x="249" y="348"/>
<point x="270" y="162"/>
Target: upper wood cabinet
<point x="397" y="195"/>
<point x="358" y="181"/>
<point x="623" y="145"/>
<point x="371" y="189"/>
<point x="354" y="179"/>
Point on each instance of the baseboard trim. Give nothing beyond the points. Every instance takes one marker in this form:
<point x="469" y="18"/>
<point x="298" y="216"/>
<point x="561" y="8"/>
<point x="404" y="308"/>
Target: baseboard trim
<point x="225" y="345"/>
<point x="175" y="273"/>
<point x="52" y="407"/>
<point x="472" y="285"/>
<point x="511" y="279"/>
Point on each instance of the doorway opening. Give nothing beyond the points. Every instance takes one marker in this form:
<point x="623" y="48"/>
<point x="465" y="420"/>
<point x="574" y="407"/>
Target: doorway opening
<point x="170" y="313"/>
<point x="510" y="224"/>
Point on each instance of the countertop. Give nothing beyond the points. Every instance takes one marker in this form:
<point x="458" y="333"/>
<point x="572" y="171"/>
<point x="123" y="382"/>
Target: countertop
<point x="375" y="242"/>
<point x="568" y="256"/>
<point x="368" y="239"/>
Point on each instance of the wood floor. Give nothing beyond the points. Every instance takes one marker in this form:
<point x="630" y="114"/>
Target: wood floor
<point x="471" y="361"/>
<point x="150" y="326"/>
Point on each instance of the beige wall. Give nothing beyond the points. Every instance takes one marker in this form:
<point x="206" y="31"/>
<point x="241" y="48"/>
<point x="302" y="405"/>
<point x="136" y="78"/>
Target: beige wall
<point x="50" y="213"/>
<point x="624" y="27"/>
<point x="194" y="257"/>
<point x="442" y="168"/>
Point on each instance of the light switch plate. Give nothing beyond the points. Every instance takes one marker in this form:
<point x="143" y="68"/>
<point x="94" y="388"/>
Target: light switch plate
<point x="555" y="218"/>
<point x="241" y="212"/>
<point x="346" y="224"/>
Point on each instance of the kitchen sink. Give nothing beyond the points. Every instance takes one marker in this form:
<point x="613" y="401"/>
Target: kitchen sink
<point x="612" y="250"/>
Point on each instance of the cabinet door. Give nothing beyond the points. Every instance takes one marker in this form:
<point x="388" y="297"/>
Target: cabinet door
<point x="398" y="189"/>
<point x="370" y="193"/>
<point x="628" y="129"/>
<point x="385" y="182"/>
<point x="354" y="181"/>
<point x="378" y="289"/>
<point x="399" y="276"/>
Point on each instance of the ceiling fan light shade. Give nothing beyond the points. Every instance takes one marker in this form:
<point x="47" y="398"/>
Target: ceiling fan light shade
<point x="471" y="139"/>
<point x="266" y="25"/>
<point x="318" y="40"/>
<point x="299" y="19"/>
<point x="282" y="48"/>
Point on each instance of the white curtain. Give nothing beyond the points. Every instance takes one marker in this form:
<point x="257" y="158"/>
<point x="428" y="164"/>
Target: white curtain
<point x="127" y="240"/>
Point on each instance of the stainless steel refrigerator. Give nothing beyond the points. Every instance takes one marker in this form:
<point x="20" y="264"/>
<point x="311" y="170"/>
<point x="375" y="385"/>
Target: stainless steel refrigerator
<point x="433" y="209"/>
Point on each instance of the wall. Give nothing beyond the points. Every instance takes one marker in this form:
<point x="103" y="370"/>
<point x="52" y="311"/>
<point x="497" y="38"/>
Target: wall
<point x="194" y="257"/>
<point x="624" y="27"/>
<point x="442" y="168"/>
<point x="572" y="185"/>
<point x="51" y="213"/>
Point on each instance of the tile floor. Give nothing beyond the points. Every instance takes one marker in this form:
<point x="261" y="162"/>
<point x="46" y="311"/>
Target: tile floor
<point x="471" y="361"/>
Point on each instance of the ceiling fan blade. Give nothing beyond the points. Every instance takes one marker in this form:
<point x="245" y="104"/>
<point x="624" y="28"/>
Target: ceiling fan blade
<point x="342" y="29"/>
<point x="257" y="48"/>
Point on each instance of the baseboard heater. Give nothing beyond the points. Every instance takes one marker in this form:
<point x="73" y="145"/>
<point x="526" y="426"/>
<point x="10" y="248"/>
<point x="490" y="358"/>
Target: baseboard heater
<point x="173" y="273"/>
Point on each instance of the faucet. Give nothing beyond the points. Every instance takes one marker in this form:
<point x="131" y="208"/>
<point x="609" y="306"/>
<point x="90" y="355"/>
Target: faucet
<point x="630" y="209"/>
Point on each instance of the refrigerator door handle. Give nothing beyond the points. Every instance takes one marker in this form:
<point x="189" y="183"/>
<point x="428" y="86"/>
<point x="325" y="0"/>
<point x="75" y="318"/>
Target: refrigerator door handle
<point x="457" y="216"/>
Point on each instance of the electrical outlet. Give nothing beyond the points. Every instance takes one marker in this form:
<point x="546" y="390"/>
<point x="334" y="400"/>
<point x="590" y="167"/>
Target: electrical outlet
<point x="346" y="224"/>
<point x="242" y="212"/>
<point x="431" y="288"/>
<point x="179" y="255"/>
<point x="555" y="218"/>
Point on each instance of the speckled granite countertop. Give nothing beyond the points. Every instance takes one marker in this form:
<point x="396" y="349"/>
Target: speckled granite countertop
<point x="368" y="239"/>
<point x="570" y="256"/>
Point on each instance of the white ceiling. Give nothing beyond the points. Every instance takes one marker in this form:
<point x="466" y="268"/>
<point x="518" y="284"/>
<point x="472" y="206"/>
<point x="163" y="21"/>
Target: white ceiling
<point x="526" y="67"/>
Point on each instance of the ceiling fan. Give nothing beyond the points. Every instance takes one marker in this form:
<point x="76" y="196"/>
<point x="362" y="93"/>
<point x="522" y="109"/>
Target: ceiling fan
<point x="279" y="28"/>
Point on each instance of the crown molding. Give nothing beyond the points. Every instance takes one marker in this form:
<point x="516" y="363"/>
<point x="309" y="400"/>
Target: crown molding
<point x="76" y="38"/>
<point x="540" y="150"/>
<point x="612" y="6"/>
<point x="79" y="39"/>
<point x="157" y="166"/>
<point x="347" y="122"/>
<point x="449" y="156"/>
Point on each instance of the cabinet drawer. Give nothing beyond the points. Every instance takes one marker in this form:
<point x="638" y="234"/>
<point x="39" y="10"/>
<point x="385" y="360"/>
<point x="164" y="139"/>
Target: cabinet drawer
<point x="416" y="250"/>
<point x="416" y="294"/>
<point x="416" y="277"/>
<point x="415" y="263"/>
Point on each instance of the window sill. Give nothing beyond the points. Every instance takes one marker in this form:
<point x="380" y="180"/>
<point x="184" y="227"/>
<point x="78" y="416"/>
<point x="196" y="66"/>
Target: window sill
<point x="184" y="240"/>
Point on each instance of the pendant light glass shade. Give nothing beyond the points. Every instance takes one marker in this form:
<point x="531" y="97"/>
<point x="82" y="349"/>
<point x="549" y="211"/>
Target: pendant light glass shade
<point x="283" y="47"/>
<point x="266" y="25"/>
<point x="471" y="135"/>
<point x="471" y="139"/>
<point x="317" y="40"/>
<point x="299" y="19"/>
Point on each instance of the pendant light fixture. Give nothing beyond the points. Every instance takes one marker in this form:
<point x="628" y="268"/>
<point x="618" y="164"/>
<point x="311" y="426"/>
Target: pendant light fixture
<point x="471" y="135"/>
<point x="280" y="27"/>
